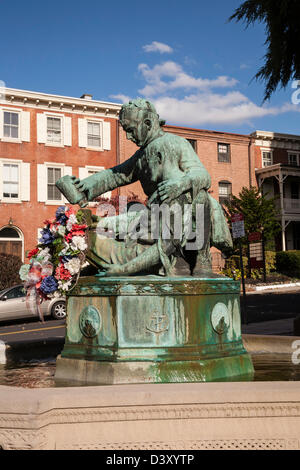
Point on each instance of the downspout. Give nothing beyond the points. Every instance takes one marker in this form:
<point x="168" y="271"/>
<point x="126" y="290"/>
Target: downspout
<point x="118" y="149"/>
<point x="249" y="161"/>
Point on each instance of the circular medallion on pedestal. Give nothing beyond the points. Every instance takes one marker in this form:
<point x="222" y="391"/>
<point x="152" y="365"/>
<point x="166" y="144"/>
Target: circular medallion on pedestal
<point x="220" y="319"/>
<point x="90" y="321"/>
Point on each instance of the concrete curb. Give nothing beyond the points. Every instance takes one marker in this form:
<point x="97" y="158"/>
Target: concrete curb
<point x="256" y="344"/>
<point x="272" y="287"/>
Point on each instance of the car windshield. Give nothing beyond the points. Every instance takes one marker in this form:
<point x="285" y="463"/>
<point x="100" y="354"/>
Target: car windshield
<point x="3" y="291"/>
<point x="13" y="292"/>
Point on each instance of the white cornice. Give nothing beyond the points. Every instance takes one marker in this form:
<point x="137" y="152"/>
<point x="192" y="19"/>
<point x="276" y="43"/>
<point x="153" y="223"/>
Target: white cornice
<point x="271" y="136"/>
<point x="68" y="104"/>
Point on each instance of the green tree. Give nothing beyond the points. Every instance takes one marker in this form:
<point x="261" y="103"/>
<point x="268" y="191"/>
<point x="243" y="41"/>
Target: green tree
<point x="282" y="26"/>
<point x="259" y="211"/>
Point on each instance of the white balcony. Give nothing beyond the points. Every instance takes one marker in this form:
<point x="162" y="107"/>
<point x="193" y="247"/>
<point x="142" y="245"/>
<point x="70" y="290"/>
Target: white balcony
<point x="290" y="206"/>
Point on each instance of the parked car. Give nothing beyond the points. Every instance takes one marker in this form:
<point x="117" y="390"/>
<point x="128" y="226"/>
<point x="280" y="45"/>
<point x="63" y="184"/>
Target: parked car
<point x="13" y="305"/>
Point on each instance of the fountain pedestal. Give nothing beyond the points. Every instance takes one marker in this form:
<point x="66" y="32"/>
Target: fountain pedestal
<point x="153" y="329"/>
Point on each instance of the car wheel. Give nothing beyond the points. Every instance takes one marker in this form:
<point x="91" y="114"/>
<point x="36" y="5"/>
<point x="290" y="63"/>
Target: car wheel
<point x="58" y="310"/>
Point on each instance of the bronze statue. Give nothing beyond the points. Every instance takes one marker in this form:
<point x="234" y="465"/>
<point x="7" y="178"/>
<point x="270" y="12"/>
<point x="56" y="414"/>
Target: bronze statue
<point x="171" y="174"/>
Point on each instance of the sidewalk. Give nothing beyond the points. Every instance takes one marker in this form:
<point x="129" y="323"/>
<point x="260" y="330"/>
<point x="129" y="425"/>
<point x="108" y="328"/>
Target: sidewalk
<point x="283" y="327"/>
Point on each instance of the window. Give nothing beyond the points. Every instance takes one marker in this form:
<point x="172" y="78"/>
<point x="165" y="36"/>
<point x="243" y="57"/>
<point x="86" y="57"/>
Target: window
<point x="93" y="134"/>
<point x="224" y="153"/>
<point x="53" y="130"/>
<point x="267" y="159"/>
<point x="53" y="193"/>
<point x="10" y="125"/>
<point x="11" y="180"/>
<point x="193" y="143"/>
<point x="293" y="159"/>
<point x="224" y="191"/>
<point x="15" y="293"/>
<point x="14" y="125"/>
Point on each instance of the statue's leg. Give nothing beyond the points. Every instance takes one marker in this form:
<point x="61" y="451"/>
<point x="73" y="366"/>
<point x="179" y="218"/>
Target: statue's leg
<point x="116" y="257"/>
<point x="104" y="252"/>
<point x="200" y="259"/>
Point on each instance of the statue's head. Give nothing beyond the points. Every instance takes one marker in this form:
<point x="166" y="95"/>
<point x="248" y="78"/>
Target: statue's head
<point x="140" y="121"/>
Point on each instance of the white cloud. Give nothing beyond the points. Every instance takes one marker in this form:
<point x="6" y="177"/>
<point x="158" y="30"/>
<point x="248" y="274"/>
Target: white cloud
<point x="185" y="100"/>
<point x="177" y="79"/>
<point x="245" y="66"/>
<point x="120" y="97"/>
<point x="211" y="109"/>
<point x="160" y="47"/>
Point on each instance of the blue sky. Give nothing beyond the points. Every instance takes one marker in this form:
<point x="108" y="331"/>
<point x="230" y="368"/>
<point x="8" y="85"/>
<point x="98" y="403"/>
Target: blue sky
<point x="184" y="56"/>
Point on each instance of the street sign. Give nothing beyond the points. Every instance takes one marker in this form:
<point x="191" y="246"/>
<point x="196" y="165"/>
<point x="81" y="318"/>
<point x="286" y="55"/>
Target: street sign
<point x="254" y="237"/>
<point x="238" y="227"/>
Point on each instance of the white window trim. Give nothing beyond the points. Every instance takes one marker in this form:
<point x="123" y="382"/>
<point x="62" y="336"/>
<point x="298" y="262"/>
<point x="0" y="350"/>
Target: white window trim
<point x="97" y="121"/>
<point x="293" y="153"/>
<point x="62" y="166"/>
<point x="88" y="168"/>
<point x="9" y="200"/>
<point x="267" y="150"/>
<point x="62" y="129"/>
<point x="15" y="140"/>
<point x="66" y="130"/>
<point x="105" y="134"/>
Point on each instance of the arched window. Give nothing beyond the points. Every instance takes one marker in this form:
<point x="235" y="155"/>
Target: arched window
<point x="11" y="241"/>
<point x="225" y="190"/>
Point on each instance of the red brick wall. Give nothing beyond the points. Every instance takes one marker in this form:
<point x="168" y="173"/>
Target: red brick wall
<point x="236" y="172"/>
<point x="29" y="216"/>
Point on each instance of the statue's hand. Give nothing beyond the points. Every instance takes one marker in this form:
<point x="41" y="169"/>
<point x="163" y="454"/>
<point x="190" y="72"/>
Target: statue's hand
<point x="82" y="186"/>
<point x="169" y="190"/>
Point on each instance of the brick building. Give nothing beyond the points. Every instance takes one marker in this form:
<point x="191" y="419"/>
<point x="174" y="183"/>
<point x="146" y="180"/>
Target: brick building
<point x="277" y="162"/>
<point x="43" y="137"/>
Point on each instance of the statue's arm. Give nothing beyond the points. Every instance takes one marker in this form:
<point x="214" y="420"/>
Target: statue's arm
<point x="196" y="174"/>
<point x="195" y="177"/>
<point x="107" y="180"/>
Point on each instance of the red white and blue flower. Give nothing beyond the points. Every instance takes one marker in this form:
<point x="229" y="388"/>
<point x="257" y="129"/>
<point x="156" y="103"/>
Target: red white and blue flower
<point x="55" y="263"/>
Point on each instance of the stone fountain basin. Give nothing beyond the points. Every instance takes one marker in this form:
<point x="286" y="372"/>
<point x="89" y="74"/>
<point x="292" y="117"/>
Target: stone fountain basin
<point x="184" y="416"/>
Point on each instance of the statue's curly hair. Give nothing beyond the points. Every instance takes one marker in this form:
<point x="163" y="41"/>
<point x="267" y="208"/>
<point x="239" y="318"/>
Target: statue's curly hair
<point x="144" y="105"/>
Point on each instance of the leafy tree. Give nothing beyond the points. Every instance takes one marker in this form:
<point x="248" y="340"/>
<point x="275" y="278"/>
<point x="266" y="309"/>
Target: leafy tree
<point x="282" y="25"/>
<point x="259" y="211"/>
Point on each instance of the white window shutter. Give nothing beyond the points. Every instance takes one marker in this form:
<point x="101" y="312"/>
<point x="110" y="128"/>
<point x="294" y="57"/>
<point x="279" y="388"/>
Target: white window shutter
<point x="1" y="181"/>
<point x="67" y="170"/>
<point x="83" y="173"/>
<point x="82" y="132"/>
<point x="1" y="123"/>
<point x="68" y="131"/>
<point x="42" y="183"/>
<point x="39" y="234"/>
<point x="25" y="181"/>
<point x="106" y="136"/>
<point x="41" y="123"/>
<point x="25" y="126"/>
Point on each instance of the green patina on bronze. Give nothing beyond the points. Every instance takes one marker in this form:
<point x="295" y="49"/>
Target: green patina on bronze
<point x="153" y="328"/>
<point x="170" y="173"/>
<point x="158" y="330"/>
